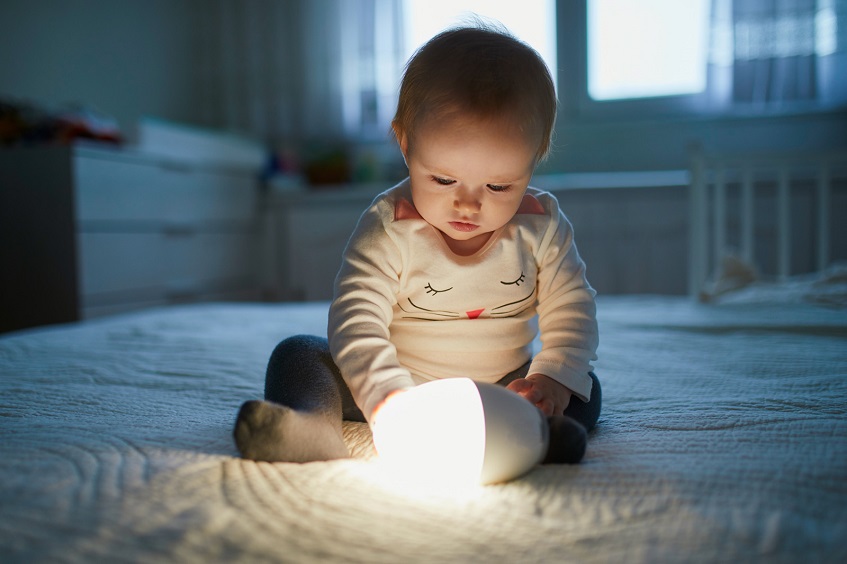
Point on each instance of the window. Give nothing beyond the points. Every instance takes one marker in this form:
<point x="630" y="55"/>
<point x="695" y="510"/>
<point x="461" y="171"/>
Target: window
<point x="644" y="48"/>
<point x="636" y="59"/>
<point x="532" y="21"/>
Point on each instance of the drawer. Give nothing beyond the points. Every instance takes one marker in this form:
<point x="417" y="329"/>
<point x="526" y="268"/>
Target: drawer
<point x="124" y="190"/>
<point x="315" y="241"/>
<point x="120" y="264"/>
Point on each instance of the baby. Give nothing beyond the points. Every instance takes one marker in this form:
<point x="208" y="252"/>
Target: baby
<point x="452" y="272"/>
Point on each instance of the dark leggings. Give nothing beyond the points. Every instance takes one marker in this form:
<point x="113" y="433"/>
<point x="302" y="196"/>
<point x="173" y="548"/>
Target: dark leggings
<point x="302" y="375"/>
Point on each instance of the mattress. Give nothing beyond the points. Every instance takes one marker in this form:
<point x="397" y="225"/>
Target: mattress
<point x="723" y="438"/>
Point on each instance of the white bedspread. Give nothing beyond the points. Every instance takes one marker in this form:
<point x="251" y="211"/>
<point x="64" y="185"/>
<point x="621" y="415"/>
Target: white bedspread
<point x="723" y="438"/>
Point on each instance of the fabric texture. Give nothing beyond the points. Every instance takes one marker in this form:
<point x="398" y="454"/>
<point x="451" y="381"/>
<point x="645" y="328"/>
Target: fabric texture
<point x="723" y="438"/>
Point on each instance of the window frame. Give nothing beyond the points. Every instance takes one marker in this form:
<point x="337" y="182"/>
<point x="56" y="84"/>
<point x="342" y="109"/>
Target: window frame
<point x="578" y="107"/>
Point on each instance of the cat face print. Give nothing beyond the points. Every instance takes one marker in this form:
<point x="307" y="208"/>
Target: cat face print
<point x="435" y="287"/>
<point x="469" y="297"/>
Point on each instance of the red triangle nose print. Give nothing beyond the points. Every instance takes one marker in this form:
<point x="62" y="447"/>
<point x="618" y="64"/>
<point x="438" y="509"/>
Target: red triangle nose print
<point x="475" y="313"/>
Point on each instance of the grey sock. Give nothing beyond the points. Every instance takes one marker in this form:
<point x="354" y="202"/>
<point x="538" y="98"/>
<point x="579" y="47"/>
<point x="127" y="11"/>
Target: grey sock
<point x="275" y="433"/>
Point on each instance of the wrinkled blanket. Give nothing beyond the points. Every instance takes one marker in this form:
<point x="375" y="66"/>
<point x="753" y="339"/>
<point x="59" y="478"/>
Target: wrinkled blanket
<point x="723" y="438"/>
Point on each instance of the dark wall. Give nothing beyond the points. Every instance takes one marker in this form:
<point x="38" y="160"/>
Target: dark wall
<point x="126" y="58"/>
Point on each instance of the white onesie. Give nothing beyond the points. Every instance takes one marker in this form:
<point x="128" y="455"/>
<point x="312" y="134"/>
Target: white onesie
<point x="408" y="310"/>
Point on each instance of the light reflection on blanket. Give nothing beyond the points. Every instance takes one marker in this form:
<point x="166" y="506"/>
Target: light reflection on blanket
<point x="723" y="438"/>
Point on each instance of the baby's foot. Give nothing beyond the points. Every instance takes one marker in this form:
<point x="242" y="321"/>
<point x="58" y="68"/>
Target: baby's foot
<point x="567" y="440"/>
<point x="276" y="433"/>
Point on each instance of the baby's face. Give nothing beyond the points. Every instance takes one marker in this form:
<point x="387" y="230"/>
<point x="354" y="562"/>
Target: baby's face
<point x="468" y="178"/>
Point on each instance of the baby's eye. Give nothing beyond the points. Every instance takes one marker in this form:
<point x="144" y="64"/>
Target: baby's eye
<point x="499" y="187"/>
<point x="443" y="181"/>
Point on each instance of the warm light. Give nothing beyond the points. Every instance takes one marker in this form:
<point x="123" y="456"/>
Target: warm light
<point x="460" y="431"/>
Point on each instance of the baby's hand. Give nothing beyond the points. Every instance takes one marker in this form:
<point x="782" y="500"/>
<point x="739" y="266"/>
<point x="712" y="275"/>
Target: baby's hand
<point x="551" y="397"/>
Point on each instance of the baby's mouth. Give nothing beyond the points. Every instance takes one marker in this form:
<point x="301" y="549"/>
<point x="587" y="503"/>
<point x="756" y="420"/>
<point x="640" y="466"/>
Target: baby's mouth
<point x="463" y="226"/>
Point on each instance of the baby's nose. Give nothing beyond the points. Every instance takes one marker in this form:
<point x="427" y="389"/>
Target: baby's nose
<point x="466" y="202"/>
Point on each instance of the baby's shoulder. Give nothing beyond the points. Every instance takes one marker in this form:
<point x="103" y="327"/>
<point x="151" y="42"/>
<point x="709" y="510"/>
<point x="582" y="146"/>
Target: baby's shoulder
<point x="537" y="211"/>
<point x="545" y="202"/>
<point x="396" y="199"/>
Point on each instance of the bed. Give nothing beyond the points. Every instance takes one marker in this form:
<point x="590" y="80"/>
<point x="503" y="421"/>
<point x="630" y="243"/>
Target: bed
<point x="723" y="438"/>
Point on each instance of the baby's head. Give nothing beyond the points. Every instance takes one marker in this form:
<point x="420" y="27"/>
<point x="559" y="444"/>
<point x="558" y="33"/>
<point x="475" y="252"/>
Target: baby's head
<point x="482" y="75"/>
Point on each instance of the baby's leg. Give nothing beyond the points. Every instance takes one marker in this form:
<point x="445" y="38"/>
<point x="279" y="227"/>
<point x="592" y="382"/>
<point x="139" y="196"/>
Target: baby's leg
<point x="276" y="433"/>
<point x="588" y="412"/>
<point x="300" y="421"/>
<point x="569" y="432"/>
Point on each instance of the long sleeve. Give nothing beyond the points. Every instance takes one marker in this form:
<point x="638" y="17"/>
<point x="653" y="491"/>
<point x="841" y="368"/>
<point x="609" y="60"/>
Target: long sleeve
<point x="361" y="312"/>
<point x="566" y="311"/>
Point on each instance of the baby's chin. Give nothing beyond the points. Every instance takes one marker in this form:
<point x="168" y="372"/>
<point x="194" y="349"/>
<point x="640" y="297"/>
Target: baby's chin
<point x="466" y="243"/>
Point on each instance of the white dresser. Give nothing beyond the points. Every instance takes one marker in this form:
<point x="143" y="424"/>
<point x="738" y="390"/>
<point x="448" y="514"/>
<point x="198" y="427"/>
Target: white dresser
<point x="308" y="231"/>
<point x="88" y="231"/>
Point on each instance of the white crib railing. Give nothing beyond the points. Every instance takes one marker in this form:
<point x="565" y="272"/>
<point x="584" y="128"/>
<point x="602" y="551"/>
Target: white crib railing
<point x="777" y="175"/>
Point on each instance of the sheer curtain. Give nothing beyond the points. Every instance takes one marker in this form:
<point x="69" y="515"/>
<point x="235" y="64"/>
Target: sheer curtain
<point x="773" y="54"/>
<point x="287" y="71"/>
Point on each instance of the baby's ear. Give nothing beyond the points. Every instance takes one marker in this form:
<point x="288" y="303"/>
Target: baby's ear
<point x="402" y="139"/>
<point x="531" y="206"/>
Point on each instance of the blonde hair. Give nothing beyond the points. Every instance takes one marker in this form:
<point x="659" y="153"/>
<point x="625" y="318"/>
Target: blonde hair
<point x="482" y="73"/>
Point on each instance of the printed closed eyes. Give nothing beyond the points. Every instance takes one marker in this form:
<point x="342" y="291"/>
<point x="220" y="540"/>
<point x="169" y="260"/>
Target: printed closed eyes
<point x="517" y="282"/>
<point x="430" y="290"/>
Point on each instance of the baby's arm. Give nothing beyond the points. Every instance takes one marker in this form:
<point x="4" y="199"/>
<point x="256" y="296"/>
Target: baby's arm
<point x="566" y="312"/>
<point x="361" y="312"/>
<point x="551" y="397"/>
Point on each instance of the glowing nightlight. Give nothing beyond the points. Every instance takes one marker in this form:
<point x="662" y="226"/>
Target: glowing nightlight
<point x="460" y="431"/>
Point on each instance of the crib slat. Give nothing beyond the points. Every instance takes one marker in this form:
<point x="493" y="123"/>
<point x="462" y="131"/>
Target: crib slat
<point x="698" y="227"/>
<point x="747" y="215"/>
<point x="719" y="217"/>
<point x="784" y="223"/>
<point x="710" y="211"/>
<point x="823" y="217"/>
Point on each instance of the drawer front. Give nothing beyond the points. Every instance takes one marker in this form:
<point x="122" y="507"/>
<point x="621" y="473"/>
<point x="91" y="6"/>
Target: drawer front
<point x="117" y="190"/>
<point x="118" y="267"/>
<point x="315" y="241"/>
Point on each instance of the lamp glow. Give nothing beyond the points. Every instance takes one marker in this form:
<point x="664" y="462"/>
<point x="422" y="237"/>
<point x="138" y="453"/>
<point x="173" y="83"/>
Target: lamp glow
<point x="460" y="431"/>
